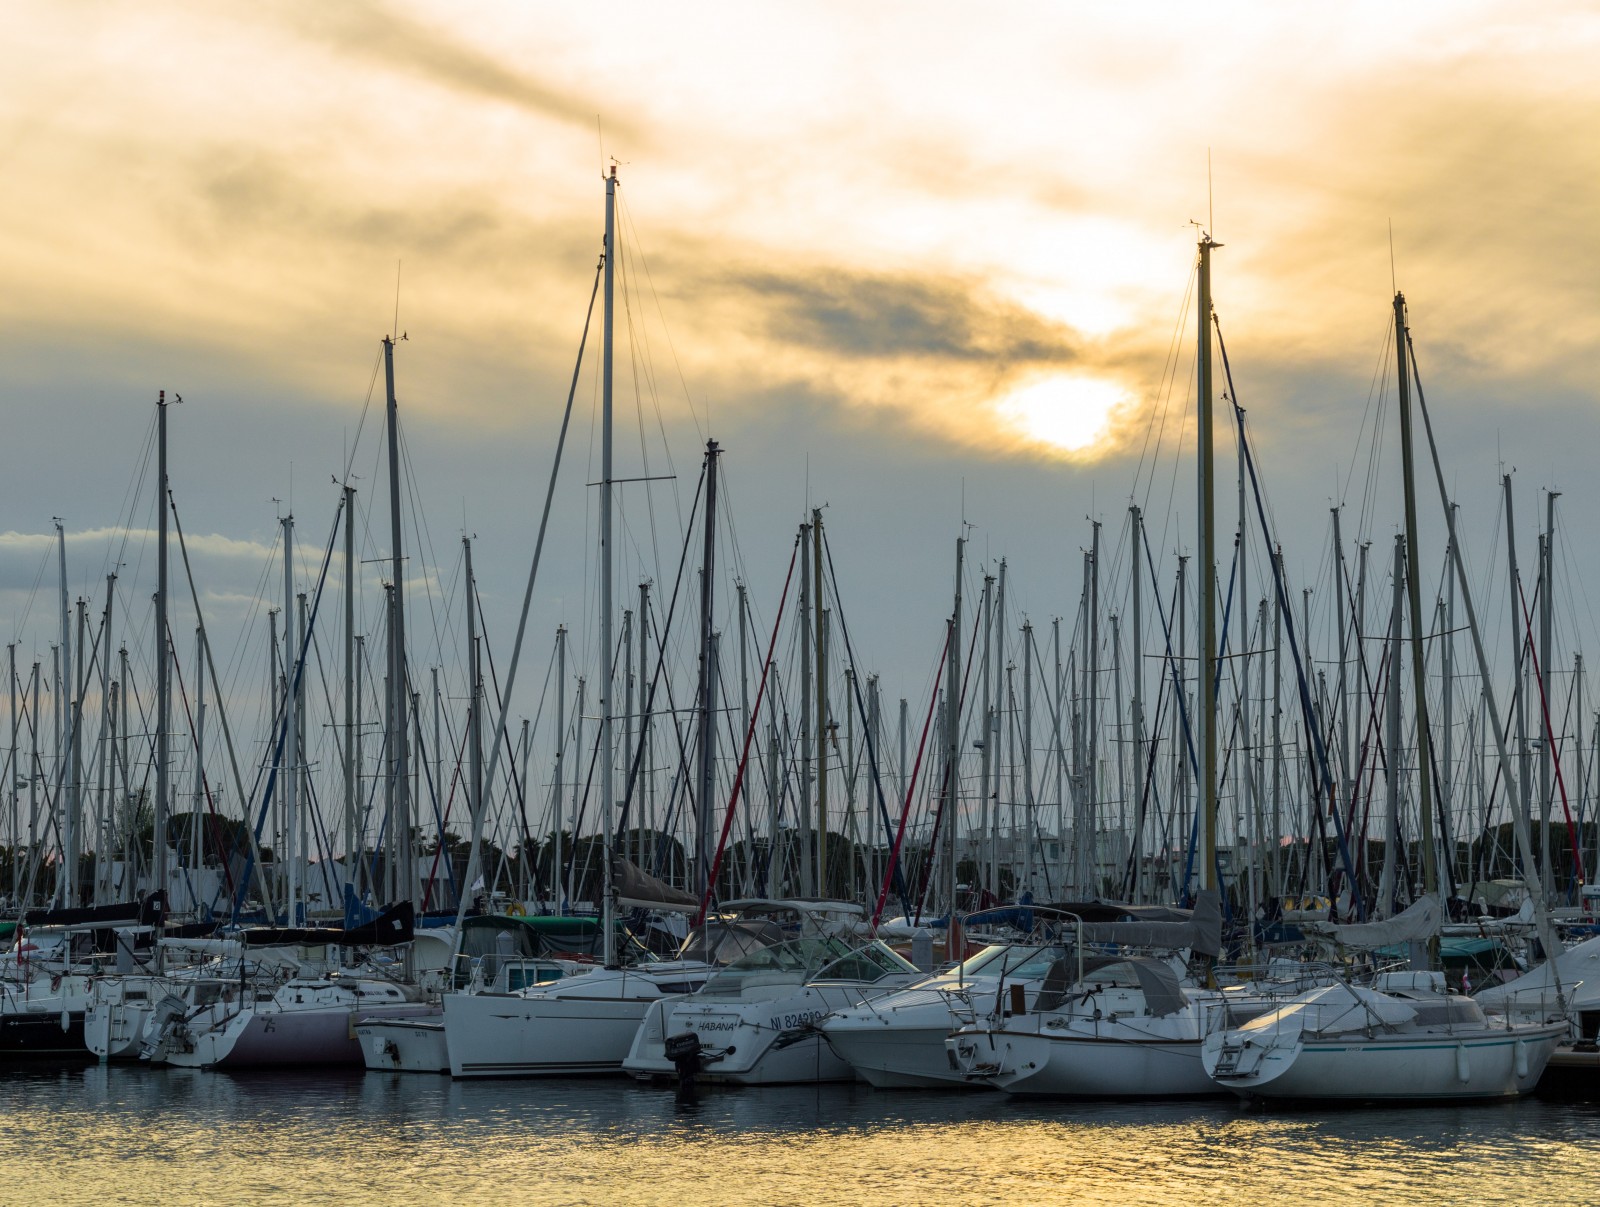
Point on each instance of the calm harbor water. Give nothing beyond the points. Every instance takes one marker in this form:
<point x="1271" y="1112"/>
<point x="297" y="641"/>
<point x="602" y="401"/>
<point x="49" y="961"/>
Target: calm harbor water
<point x="134" y="1135"/>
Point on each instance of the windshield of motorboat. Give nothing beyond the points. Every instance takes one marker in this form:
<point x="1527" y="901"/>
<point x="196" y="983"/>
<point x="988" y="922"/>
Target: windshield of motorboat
<point x="870" y="963"/>
<point x="723" y="940"/>
<point x="1010" y="960"/>
<point x="791" y="963"/>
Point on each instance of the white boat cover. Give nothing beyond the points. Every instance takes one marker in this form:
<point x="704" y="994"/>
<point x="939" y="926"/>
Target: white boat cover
<point x="1201" y="934"/>
<point x="1333" y="1009"/>
<point x="1577" y="970"/>
<point x="1420" y="920"/>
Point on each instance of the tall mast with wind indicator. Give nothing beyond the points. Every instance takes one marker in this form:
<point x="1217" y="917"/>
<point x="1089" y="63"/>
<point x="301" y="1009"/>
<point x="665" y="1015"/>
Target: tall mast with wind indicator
<point x="1206" y="714"/>
<point x="399" y="761"/>
<point x="607" y="787"/>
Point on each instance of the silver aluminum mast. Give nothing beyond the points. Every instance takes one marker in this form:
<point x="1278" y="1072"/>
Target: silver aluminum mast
<point x="288" y="774"/>
<point x="607" y="787"/>
<point x="163" y="670"/>
<point x="1206" y="714"/>
<point x="399" y="745"/>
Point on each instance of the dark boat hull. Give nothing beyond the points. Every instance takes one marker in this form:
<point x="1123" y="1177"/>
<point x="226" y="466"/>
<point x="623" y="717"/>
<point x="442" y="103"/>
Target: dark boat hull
<point x="40" y="1037"/>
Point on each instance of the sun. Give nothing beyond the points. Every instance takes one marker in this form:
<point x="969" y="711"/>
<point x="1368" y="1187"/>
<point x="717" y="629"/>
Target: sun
<point x="1067" y="413"/>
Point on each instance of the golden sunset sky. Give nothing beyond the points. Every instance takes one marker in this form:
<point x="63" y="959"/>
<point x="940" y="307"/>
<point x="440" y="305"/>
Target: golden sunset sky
<point x="919" y="261"/>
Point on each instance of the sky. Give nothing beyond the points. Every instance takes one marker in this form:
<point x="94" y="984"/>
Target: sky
<point x="924" y="267"/>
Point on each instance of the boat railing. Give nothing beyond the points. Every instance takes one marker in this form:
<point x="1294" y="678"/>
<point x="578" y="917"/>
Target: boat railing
<point x="1542" y="1002"/>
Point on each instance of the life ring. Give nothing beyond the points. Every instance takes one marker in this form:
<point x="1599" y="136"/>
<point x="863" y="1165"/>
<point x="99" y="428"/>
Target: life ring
<point x="514" y="910"/>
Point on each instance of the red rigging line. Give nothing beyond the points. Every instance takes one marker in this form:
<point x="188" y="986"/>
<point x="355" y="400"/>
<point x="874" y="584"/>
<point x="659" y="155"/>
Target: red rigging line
<point x="949" y="772"/>
<point x="911" y="789"/>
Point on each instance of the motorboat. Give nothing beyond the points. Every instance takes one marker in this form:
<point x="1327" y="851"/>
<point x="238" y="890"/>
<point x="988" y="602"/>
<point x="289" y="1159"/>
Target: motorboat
<point x="756" y="1021"/>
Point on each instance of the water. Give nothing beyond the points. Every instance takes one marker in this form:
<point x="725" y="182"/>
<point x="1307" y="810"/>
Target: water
<point x="135" y="1135"/>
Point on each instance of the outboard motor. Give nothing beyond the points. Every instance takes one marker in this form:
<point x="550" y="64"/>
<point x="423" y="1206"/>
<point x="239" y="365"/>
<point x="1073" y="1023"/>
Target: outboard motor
<point x="684" y="1052"/>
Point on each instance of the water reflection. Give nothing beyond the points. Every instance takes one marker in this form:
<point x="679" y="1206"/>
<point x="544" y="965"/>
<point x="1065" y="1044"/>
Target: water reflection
<point x="135" y="1135"/>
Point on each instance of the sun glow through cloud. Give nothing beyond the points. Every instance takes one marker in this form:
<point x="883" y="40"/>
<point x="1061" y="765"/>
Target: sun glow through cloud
<point x="1070" y="414"/>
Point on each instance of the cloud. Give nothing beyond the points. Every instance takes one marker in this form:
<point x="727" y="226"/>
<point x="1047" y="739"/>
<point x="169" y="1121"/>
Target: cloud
<point x="387" y="36"/>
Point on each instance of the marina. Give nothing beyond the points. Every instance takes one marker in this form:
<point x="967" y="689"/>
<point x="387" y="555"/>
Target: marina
<point x="597" y="615"/>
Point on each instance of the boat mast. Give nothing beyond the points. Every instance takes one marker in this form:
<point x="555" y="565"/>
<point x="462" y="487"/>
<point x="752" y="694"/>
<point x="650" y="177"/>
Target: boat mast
<point x="1430" y="871"/>
<point x="808" y="880"/>
<point x="556" y="884"/>
<point x="289" y="771"/>
<point x="607" y="787"/>
<point x="163" y="671"/>
<point x="1137" y="715"/>
<point x="474" y="710"/>
<point x="708" y="686"/>
<point x="1547" y="747"/>
<point x="67" y="881"/>
<point x="350" y="764"/>
<point x="952" y="717"/>
<point x="1206" y="713"/>
<point x="819" y="620"/>
<point x="402" y="875"/>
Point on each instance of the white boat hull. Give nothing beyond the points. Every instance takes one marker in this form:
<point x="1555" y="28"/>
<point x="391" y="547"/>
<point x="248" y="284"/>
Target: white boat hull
<point x="507" y="1035"/>
<point x="1502" y="1063"/>
<point x="1074" y="1066"/>
<point x="762" y="1042"/>
<point x="897" y="1057"/>
<point x="405" y="1045"/>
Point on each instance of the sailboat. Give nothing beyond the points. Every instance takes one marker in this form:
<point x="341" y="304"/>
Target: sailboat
<point x="1403" y="1038"/>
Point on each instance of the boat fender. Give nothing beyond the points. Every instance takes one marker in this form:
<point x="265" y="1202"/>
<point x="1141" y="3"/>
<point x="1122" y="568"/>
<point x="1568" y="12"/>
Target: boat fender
<point x="1521" y="1049"/>
<point x="1463" y="1067"/>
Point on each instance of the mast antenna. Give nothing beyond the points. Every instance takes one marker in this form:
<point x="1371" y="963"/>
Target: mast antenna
<point x="1393" y="285"/>
<point x="1211" y="209"/>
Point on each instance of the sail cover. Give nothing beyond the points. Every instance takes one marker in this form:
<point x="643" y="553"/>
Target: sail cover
<point x="1417" y="921"/>
<point x="395" y="925"/>
<point x="638" y="889"/>
<point x="1201" y="934"/>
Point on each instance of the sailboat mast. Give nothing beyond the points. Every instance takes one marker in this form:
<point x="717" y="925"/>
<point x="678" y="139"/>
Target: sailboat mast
<point x="474" y="706"/>
<point x="820" y="648"/>
<point x="289" y="774"/>
<point x="556" y="882"/>
<point x="952" y="717"/>
<point x="607" y="787"/>
<point x="399" y="730"/>
<point x="1430" y="871"/>
<point x="163" y="671"/>
<point x="350" y="765"/>
<point x="1547" y="748"/>
<point x="808" y="880"/>
<point x="708" y="687"/>
<point x="1206" y="714"/>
